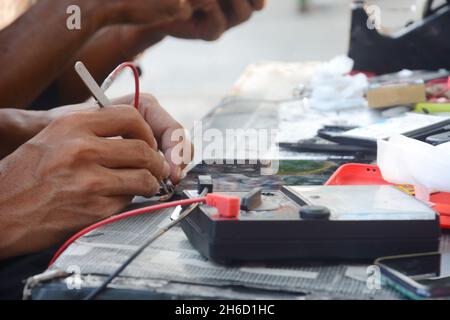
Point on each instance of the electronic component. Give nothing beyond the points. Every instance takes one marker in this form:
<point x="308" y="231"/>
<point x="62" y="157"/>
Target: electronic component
<point x="439" y="138"/>
<point x="325" y="146"/>
<point x="418" y="276"/>
<point x="226" y="206"/>
<point x="314" y="213"/>
<point x="205" y="182"/>
<point x="381" y="52"/>
<point x="252" y="200"/>
<point x="413" y="125"/>
<point x="315" y="222"/>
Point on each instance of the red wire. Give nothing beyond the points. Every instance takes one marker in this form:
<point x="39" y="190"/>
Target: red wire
<point x="122" y="216"/>
<point x="135" y="70"/>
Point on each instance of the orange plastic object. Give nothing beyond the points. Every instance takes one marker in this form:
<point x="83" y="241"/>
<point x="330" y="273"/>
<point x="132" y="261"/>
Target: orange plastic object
<point x="228" y="207"/>
<point x="366" y="174"/>
<point x="357" y="174"/>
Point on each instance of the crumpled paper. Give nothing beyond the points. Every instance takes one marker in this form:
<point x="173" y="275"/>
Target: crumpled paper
<point x="332" y="88"/>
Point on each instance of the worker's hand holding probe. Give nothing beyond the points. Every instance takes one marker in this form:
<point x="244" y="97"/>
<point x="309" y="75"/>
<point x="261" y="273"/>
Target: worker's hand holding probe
<point x="72" y="174"/>
<point x="170" y="135"/>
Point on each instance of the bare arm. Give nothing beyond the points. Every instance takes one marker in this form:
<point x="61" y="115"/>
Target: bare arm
<point x="38" y="47"/>
<point x="71" y="175"/>
<point x="18" y="126"/>
<point x="35" y="48"/>
<point x="101" y="54"/>
<point x="114" y="45"/>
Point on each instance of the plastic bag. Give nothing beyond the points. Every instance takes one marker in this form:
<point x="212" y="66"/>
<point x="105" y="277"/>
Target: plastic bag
<point x="403" y="160"/>
<point x="332" y="88"/>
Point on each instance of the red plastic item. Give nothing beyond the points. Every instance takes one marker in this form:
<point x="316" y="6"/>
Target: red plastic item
<point x="365" y="174"/>
<point x="228" y="207"/>
<point x="357" y="174"/>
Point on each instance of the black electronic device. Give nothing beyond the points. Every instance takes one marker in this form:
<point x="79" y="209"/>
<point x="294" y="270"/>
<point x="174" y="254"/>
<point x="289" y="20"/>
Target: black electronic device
<point x="410" y="124"/>
<point x="419" y="276"/>
<point x="438" y="139"/>
<point x="422" y="45"/>
<point x="315" y="222"/>
<point x="320" y="145"/>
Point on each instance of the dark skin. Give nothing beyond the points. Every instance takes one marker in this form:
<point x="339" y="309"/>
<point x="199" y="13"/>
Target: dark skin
<point x="60" y="170"/>
<point x="113" y="31"/>
<point x="67" y="173"/>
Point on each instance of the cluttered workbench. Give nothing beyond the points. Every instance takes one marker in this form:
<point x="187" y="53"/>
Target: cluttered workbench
<point x="268" y="96"/>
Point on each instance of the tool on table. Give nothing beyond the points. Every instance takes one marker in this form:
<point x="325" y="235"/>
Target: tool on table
<point x="410" y="124"/>
<point x="313" y="222"/>
<point x="418" y="276"/>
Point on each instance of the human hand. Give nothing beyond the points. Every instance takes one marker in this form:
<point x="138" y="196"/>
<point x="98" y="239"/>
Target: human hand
<point x="148" y="12"/>
<point x="171" y="137"/>
<point x="73" y="174"/>
<point x="211" y="18"/>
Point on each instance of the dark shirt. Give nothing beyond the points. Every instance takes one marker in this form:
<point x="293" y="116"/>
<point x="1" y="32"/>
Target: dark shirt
<point x="15" y="271"/>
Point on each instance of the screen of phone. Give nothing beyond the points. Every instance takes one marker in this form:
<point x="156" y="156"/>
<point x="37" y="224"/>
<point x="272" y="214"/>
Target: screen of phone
<point x="428" y="273"/>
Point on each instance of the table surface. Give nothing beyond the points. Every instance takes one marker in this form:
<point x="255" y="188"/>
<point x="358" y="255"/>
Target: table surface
<point x="171" y="268"/>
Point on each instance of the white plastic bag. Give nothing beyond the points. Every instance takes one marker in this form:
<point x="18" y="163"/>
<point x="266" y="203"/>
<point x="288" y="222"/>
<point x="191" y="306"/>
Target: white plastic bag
<point x="334" y="89"/>
<point x="403" y="160"/>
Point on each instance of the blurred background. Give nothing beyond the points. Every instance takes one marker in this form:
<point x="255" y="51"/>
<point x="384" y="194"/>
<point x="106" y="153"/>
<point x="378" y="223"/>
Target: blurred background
<point x="190" y="77"/>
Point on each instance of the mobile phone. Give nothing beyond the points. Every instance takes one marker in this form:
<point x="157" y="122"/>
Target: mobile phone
<point x="418" y="276"/>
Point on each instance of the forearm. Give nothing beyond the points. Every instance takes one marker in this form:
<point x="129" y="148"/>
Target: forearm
<point x="19" y="126"/>
<point x="43" y="45"/>
<point x="101" y="54"/>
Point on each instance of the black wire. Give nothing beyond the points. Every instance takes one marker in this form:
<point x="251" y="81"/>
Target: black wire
<point x="95" y="292"/>
<point x="429" y="10"/>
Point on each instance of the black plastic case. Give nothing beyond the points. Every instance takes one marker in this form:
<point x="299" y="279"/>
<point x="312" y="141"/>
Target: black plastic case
<point x="280" y="233"/>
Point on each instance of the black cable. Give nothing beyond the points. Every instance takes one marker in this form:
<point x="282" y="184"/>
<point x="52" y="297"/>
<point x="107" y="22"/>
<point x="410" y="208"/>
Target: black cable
<point x="95" y="292"/>
<point x="429" y="10"/>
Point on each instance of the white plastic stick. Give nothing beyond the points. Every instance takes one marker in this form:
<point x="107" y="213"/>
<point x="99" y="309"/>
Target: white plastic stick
<point x="92" y="85"/>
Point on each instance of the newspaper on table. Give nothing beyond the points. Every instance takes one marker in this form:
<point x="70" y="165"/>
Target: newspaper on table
<point x="173" y="260"/>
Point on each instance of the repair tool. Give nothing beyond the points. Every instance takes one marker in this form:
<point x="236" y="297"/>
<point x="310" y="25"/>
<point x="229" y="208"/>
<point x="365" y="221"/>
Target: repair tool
<point x="314" y="222"/>
<point x="418" y="276"/>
